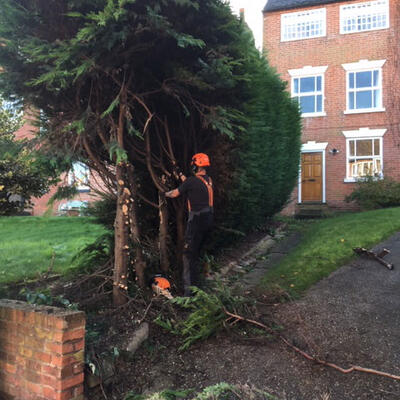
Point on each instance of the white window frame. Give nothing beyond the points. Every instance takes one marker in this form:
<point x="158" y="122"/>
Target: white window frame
<point x="363" y="134"/>
<point x="303" y="19"/>
<point x="310" y="72"/>
<point x="81" y="185"/>
<point x="364" y="10"/>
<point x="360" y="66"/>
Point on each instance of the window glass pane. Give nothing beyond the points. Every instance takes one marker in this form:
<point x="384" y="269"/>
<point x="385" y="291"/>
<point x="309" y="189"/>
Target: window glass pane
<point x="307" y="84"/>
<point x="319" y="103"/>
<point x="351" y="101"/>
<point x="307" y="104"/>
<point x="79" y="175"/>
<point x="367" y="167"/>
<point x="319" y="83"/>
<point x="377" y="98"/>
<point x="377" y="147"/>
<point x="296" y="86"/>
<point x="378" y="166"/>
<point x="364" y="147"/>
<point x="362" y="167"/>
<point x="376" y="78"/>
<point x="351" y="80"/>
<point x="364" y="99"/>
<point x="351" y="147"/>
<point x="352" y="172"/>
<point x="363" y="79"/>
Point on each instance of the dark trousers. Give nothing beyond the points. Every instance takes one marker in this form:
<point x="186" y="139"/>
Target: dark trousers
<point x="198" y="225"/>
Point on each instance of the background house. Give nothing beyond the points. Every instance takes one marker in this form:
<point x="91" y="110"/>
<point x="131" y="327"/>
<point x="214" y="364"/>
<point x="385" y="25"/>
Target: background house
<point x="87" y="183"/>
<point x="341" y="61"/>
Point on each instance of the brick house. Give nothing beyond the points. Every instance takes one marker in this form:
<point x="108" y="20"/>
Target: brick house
<point x="86" y="182"/>
<point x="340" y="61"/>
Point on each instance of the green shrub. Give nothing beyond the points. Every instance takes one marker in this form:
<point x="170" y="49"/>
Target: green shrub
<point x="372" y="193"/>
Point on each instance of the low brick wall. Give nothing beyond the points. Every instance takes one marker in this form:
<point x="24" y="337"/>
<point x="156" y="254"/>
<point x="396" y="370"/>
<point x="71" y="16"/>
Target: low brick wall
<point x="41" y="352"/>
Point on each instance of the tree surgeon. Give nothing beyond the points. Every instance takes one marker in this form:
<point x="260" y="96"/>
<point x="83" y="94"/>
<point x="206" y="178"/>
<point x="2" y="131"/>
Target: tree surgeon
<point x="199" y="193"/>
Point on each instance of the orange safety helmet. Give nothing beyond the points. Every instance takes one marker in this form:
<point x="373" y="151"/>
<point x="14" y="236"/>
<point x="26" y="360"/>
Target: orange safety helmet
<point x="201" y="160"/>
<point x="161" y="282"/>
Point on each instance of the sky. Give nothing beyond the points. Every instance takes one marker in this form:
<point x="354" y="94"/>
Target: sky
<point x="252" y="15"/>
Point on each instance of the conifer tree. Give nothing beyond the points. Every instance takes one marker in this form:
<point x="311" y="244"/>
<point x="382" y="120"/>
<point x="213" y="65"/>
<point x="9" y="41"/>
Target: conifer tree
<point x="23" y="173"/>
<point x="134" y="88"/>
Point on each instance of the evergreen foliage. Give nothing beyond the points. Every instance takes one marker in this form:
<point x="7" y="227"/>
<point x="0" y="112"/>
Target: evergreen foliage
<point x="269" y="152"/>
<point x="148" y="83"/>
<point x="10" y="118"/>
<point x="23" y="173"/>
<point x="206" y="314"/>
<point x="219" y="391"/>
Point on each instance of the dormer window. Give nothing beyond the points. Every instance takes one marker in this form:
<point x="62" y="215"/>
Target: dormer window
<point x="303" y="25"/>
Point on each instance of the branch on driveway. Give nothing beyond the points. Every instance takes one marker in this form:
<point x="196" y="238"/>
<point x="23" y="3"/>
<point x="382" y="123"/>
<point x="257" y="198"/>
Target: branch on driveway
<point x="234" y="318"/>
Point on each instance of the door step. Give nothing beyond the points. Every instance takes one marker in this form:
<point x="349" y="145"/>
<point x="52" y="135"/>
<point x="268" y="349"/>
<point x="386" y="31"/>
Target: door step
<point x="312" y="210"/>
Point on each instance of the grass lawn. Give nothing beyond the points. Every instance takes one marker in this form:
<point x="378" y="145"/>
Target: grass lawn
<point x="28" y="244"/>
<point x="327" y="244"/>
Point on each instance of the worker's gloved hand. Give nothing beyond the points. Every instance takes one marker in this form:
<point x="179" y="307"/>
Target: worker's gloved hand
<point x="181" y="176"/>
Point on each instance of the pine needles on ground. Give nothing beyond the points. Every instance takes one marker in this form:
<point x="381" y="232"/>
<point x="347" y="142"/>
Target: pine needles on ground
<point x="206" y="314"/>
<point x="220" y="391"/>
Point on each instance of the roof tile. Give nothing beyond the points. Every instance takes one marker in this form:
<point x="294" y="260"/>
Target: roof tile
<point x="276" y="5"/>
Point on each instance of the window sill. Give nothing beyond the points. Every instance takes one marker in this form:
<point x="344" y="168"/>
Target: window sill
<point x="304" y="38"/>
<point x="312" y="115"/>
<point x="360" y="179"/>
<point x="364" y="111"/>
<point x="363" y="30"/>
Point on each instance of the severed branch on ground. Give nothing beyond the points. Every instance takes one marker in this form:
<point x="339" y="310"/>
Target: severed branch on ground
<point x="361" y="251"/>
<point x="233" y="318"/>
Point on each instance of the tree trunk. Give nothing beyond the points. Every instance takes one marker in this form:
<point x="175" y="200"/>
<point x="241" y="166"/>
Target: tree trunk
<point x="139" y="261"/>
<point x="180" y="232"/>
<point x="163" y="232"/>
<point x="121" y="249"/>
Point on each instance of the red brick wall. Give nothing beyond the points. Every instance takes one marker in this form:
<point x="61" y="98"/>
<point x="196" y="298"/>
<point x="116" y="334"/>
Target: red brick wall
<point x="41" y="352"/>
<point x="333" y="50"/>
<point x="40" y="205"/>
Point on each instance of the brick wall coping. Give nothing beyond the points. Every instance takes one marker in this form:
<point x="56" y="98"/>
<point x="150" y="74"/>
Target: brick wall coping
<point x="47" y="316"/>
<point x="22" y="305"/>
